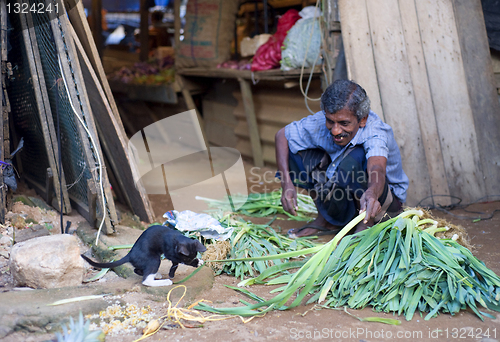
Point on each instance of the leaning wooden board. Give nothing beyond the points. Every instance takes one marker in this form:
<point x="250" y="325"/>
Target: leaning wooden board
<point x="396" y="92"/>
<point x="3" y="123"/>
<point x="482" y="88"/>
<point x="359" y="50"/>
<point x="80" y="24"/>
<point x="423" y="100"/>
<point x="114" y="140"/>
<point x="71" y="71"/>
<point x="46" y="118"/>
<point x="412" y="51"/>
<point x="452" y="108"/>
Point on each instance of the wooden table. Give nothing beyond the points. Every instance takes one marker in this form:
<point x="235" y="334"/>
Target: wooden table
<point x="244" y="77"/>
<point x="168" y="93"/>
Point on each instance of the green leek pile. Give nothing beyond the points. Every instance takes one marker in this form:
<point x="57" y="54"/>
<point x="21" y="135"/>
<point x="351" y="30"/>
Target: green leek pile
<point x="266" y="204"/>
<point x="251" y="240"/>
<point x="395" y="266"/>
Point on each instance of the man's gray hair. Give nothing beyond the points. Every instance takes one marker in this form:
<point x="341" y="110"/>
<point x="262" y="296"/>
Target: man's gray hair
<point x="345" y="94"/>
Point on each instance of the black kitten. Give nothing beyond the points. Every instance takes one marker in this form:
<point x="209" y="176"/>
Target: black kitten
<point x="146" y="253"/>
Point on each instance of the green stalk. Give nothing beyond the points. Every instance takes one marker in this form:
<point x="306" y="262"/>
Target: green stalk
<point x="303" y="276"/>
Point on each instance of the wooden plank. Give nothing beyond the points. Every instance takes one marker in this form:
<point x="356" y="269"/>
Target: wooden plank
<point x="44" y="113"/>
<point x="179" y="79"/>
<point x="495" y="61"/>
<point x="423" y="100"/>
<point x="396" y="92"/>
<point x="246" y="92"/>
<point x="144" y="30"/>
<point x="114" y="141"/>
<point x="76" y="88"/>
<point x="49" y="186"/>
<point x="358" y="49"/>
<point x="96" y="15"/>
<point x="269" y="75"/>
<point x="92" y="201"/>
<point x="273" y="113"/>
<point x="450" y="96"/>
<point x="481" y="87"/>
<point x="161" y="93"/>
<point x="177" y="23"/>
<point x="4" y="119"/>
<point x="82" y="28"/>
<point x="3" y="32"/>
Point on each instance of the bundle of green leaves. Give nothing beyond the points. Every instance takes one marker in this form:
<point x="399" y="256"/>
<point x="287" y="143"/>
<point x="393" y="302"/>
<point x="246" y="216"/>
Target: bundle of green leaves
<point x="395" y="266"/>
<point x="265" y="204"/>
<point x="251" y="240"/>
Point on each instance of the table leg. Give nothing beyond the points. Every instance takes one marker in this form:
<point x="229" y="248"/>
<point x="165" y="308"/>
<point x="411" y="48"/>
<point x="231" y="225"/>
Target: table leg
<point x="246" y="92"/>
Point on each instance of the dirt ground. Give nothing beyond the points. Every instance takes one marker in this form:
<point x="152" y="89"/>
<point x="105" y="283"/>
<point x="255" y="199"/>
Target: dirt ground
<point x="304" y="322"/>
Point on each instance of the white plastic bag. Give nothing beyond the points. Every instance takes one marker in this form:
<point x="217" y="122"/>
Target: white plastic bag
<point x="295" y="45"/>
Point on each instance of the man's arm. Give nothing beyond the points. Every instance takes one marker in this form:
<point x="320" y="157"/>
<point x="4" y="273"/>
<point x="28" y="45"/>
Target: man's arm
<point x="289" y="194"/>
<point x="376" y="182"/>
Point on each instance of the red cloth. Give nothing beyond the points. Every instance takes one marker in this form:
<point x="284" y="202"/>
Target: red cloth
<point x="268" y="55"/>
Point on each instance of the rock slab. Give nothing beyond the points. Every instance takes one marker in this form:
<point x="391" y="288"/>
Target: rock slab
<point x="47" y="262"/>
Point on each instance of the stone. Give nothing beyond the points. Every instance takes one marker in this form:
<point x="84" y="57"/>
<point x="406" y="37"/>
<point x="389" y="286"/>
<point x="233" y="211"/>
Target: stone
<point x="5" y="254"/>
<point x="34" y="231"/>
<point x="47" y="262"/>
<point x="5" y="241"/>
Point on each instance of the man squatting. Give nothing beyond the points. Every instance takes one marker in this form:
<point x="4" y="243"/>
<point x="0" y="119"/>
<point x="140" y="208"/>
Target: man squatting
<point x="347" y="159"/>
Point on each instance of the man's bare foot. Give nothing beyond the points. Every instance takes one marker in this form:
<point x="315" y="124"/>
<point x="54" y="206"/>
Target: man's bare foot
<point x="319" y="226"/>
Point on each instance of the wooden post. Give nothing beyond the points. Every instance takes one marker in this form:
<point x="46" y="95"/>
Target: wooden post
<point x="49" y="187"/>
<point x="97" y="24"/>
<point x="92" y="202"/>
<point x="177" y="23"/>
<point x="253" y="128"/>
<point x="4" y="123"/>
<point x="144" y="34"/>
<point x="188" y="98"/>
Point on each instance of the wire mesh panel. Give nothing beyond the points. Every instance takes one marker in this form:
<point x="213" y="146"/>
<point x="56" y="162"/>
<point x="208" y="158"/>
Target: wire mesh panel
<point x="64" y="95"/>
<point x="75" y="116"/>
<point x="30" y="114"/>
<point x="24" y="108"/>
<point x="77" y="171"/>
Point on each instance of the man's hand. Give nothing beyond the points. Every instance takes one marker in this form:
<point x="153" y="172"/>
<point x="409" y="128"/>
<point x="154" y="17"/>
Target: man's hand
<point x="376" y="181"/>
<point x="369" y="203"/>
<point x="289" y="197"/>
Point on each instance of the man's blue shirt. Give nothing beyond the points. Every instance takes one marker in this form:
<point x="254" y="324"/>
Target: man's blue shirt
<point x="376" y="138"/>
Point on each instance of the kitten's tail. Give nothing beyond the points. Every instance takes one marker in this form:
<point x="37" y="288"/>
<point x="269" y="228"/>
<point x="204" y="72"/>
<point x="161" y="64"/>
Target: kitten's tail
<point x="113" y="264"/>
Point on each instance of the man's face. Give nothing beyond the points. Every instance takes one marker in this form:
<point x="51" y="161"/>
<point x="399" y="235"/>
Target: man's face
<point x="343" y="126"/>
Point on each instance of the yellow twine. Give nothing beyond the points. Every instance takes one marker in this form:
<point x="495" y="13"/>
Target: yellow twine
<point x="175" y="314"/>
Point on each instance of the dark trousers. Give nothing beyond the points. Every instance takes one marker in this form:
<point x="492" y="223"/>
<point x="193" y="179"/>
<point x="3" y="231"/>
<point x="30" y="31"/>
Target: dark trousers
<point x="337" y="198"/>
